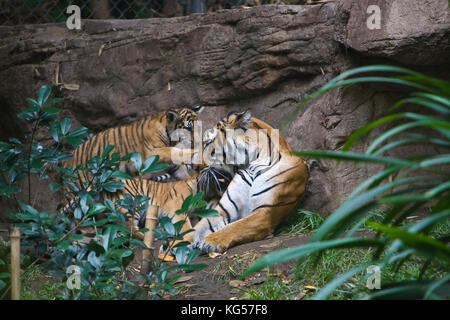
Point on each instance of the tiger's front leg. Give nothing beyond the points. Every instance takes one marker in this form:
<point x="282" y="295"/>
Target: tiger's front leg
<point x="232" y="207"/>
<point x="254" y="227"/>
<point x="172" y="155"/>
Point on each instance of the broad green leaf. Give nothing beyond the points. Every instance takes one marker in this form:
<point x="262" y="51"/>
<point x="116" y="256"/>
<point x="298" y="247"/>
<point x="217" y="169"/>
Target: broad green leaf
<point x="149" y="162"/>
<point x="122" y="253"/>
<point x="53" y="101"/>
<point x="181" y="254"/>
<point x="63" y="245"/>
<point x="168" y="226"/>
<point x="96" y="209"/>
<point x="4" y="275"/>
<point x="137" y="160"/>
<point x="65" y="125"/>
<point x="121" y="175"/>
<point x="51" y="111"/>
<point x="34" y="103"/>
<point x="194" y="254"/>
<point x="107" y="151"/>
<point x="94" y="260"/>
<point x="205" y="213"/>
<point x="192" y="267"/>
<point x="44" y="93"/>
<point x="113" y="186"/>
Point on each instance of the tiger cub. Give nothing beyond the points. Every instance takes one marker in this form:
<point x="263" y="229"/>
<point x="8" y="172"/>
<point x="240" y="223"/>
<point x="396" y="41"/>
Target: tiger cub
<point x="168" y="197"/>
<point x="148" y="136"/>
<point x="266" y="188"/>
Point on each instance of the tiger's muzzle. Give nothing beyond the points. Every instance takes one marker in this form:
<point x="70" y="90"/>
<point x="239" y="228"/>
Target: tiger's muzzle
<point x="213" y="182"/>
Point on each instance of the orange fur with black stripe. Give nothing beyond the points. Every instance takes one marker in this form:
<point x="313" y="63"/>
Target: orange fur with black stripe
<point x="148" y="136"/>
<point x="168" y="196"/>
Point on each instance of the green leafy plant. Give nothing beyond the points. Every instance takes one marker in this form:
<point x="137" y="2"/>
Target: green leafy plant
<point x="405" y="186"/>
<point x="55" y="238"/>
<point x="159" y="279"/>
<point x="4" y="274"/>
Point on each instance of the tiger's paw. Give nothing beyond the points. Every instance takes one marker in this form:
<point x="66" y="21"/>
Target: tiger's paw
<point x="210" y="244"/>
<point x="170" y="252"/>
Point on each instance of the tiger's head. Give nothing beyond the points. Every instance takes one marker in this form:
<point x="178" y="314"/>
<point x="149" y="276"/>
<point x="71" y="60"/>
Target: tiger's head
<point x="180" y="123"/>
<point x="183" y="118"/>
<point x="229" y="145"/>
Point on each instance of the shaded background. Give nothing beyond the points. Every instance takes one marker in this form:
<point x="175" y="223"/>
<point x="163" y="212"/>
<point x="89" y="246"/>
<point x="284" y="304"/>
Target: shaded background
<point x="265" y="58"/>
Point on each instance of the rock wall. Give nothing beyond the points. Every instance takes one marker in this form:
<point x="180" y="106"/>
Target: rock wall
<point x="266" y="59"/>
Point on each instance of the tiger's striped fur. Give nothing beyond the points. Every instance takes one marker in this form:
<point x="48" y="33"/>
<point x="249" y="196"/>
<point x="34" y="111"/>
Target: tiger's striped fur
<point x="264" y="191"/>
<point x="148" y="136"/>
<point x="168" y="196"/>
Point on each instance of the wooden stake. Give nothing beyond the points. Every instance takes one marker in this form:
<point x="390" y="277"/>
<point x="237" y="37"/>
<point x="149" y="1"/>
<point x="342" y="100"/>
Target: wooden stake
<point x="15" y="264"/>
<point x="150" y="223"/>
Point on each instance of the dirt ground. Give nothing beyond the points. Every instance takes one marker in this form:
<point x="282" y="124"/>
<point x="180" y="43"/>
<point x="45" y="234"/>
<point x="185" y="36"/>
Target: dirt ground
<point x="220" y="280"/>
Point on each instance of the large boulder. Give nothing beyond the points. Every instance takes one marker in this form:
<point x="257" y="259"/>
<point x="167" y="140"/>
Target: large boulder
<point x="265" y="59"/>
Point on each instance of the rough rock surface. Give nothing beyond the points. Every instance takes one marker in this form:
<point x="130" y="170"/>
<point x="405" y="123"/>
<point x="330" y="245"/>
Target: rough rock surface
<point x="266" y="59"/>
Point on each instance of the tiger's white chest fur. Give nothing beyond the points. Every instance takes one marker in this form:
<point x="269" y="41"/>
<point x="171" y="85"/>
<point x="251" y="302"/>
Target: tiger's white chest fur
<point x="250" y="189"/>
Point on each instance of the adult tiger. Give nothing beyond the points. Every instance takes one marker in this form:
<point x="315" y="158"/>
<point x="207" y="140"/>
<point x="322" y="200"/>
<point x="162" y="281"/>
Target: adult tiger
<point x="266" y="188"/>
<point x="148" y="136"/>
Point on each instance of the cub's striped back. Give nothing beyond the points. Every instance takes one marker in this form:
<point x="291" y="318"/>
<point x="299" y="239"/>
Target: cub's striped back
<point x="148" y="136"/>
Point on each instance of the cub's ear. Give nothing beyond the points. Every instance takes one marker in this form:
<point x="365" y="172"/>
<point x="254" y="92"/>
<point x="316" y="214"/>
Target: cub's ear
<point x="243" y="119"/>
<point x="198" y="109"/>
<point x="172" y="116"/>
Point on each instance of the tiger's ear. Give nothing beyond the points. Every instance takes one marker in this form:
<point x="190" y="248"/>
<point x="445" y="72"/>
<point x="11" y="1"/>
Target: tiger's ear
<point x="243" y="119"/>
<point x="198" y="109"/>
<point x="171" y="116"/>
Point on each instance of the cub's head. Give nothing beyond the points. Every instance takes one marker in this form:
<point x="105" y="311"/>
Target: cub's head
<point x="180" y="123"/>
<point x="183" y="118"/>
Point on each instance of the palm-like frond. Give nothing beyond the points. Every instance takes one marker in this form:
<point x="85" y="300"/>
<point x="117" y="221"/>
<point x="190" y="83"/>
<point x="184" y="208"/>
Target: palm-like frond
<point x="405" y="185"/>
